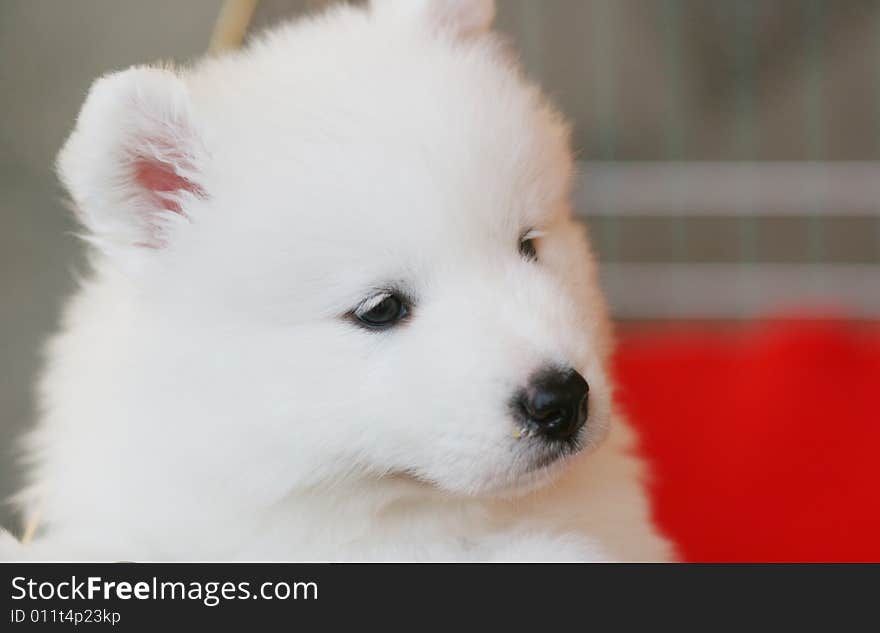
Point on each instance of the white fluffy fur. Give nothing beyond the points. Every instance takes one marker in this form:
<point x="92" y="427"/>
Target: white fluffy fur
<point x="206" y="398"/>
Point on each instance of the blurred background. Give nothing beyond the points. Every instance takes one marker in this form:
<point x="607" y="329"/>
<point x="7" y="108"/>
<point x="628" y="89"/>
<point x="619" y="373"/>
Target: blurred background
<point x="727" y="150"/>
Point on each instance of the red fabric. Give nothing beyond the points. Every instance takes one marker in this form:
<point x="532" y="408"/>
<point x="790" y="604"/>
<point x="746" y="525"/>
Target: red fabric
<point x="764" y="444"/>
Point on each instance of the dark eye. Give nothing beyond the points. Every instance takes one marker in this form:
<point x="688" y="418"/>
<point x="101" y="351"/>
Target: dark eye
<point x="381" y="311"/>
<point x="527" y="246"/>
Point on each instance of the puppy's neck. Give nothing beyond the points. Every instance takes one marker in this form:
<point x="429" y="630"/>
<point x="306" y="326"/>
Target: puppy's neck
<point x="351" y="520"/>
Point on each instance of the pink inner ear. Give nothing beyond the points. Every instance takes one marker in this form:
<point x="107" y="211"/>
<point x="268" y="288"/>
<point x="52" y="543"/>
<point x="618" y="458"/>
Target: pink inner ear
<point x="159" y="177"/>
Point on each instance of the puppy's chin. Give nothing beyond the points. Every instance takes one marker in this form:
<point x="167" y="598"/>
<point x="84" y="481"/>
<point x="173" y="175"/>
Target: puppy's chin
<point x="529" y="481"/>
<point x="538" y="464"/>
<point x="530" y="468"/>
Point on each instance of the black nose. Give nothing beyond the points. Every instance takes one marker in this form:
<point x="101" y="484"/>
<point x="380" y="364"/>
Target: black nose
<point x="555" y="403"/>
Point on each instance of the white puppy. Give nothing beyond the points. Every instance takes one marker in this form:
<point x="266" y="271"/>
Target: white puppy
<point x="339" y="309"/>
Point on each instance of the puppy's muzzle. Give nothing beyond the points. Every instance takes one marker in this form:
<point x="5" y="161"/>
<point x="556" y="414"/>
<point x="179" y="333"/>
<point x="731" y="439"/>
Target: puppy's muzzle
<point x="554" y="404"/>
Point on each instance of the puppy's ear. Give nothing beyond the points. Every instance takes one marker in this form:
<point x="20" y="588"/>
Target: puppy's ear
<point x="462" y="18"/>
<point x="135" y="160"/>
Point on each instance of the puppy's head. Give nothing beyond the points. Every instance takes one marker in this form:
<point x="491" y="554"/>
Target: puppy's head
<point x="349" y="252"/>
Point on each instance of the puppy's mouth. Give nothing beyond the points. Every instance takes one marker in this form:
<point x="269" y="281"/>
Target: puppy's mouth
<point x="539" y="454"/>
<point x="535" y="463"/>
<point x="538" y="459"/>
